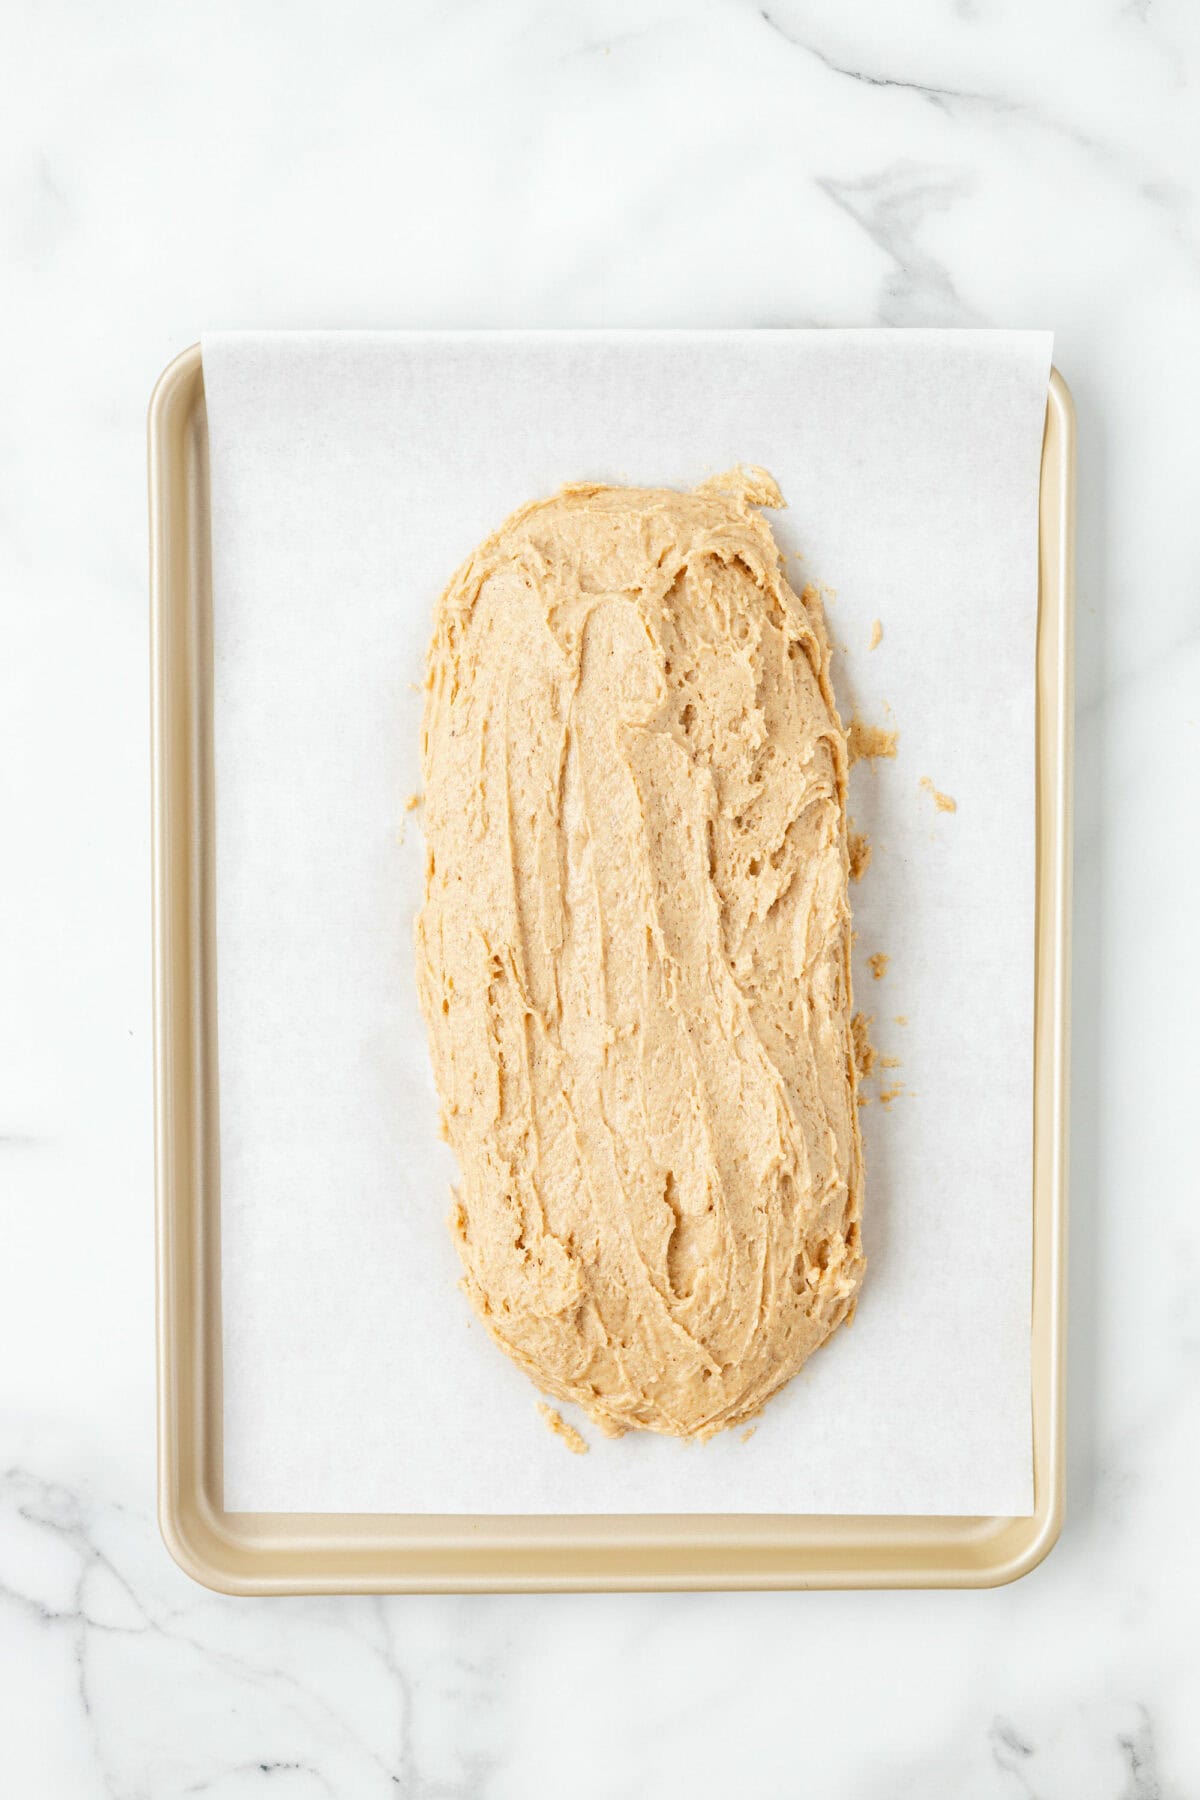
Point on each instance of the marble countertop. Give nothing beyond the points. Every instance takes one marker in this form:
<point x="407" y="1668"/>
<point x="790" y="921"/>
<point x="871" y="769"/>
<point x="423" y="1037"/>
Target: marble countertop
<point x="703" y="163"/>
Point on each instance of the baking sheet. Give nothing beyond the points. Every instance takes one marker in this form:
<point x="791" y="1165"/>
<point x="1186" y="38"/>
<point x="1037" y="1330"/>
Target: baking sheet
<point x="349" y="474"/>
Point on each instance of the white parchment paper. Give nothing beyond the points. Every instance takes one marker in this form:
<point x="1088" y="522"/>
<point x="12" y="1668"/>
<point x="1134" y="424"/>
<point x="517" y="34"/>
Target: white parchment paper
<point x="350" y="475"/>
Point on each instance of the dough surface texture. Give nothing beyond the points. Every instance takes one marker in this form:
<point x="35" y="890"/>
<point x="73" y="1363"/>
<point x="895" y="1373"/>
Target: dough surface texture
<point x="633" y="952"/>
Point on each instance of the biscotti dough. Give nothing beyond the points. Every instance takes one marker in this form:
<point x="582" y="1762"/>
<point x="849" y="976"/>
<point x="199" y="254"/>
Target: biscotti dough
<point x="633" y="953"/>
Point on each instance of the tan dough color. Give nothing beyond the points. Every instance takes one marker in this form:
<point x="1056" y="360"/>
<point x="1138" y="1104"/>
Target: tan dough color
<point x="633" y="954"/>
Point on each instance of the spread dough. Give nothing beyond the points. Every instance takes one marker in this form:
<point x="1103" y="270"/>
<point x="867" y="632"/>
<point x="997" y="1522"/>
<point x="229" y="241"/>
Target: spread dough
<point x="633" y="953"/>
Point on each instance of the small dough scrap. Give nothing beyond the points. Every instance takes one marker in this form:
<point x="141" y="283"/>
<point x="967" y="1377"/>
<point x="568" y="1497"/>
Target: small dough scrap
<point x="860" y="854"/>
<point x="876" y="636"/>
<point x="878" y="964"/>
<point x="943" y="802"/>
<point x="576" y="1444"/>
<point x="633" y="953"/>
<point x="867" y="742"/>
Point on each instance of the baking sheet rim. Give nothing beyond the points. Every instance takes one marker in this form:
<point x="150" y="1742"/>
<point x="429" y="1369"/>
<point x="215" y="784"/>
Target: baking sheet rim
<point x="284" y="1553"/>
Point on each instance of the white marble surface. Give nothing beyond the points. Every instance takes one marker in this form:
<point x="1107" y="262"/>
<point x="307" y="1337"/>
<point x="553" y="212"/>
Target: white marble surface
<point x="165" y="169"/>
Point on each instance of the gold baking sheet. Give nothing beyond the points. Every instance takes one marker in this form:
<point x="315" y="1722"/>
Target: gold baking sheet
<point x="283" y="1553"/>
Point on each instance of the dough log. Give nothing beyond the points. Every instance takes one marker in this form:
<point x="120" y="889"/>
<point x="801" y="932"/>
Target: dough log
<point x="633" y="952"/>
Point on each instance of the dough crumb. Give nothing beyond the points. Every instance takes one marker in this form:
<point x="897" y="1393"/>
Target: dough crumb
<point x="878" y="964"/>
<point x="890" y="1094"/>
<point x="876" y="636"/>
<point x="864" y="1049"/>
<point x="578" y="1446"/>
<point x="943" y="802"/>
<point x="412" y="803"/>
<point x="866" y="742"/>
<point x="749" y="1433"/>
<point x="860" y="854"/>
<point x="889" y="1062"/>
<point x="901" y="1018"/>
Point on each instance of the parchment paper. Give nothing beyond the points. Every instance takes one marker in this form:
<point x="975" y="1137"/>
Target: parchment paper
<point x="350" y="474"/>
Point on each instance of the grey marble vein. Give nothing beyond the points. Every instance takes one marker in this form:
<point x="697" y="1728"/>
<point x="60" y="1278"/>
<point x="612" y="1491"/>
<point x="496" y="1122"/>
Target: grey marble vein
<point x="1137" y="1746"/>
<point x="177" y="1619"/>
<point x="1174" y="201"/>
<point x="938" y="96"/>
<point x="891" y="208"/>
